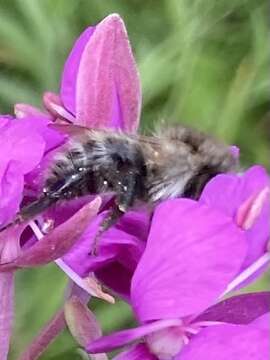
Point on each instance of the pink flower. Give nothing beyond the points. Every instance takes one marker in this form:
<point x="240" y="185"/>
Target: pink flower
<point x="245" y="198"/>
<point x="185" y="269"/>
<point x="150" y="263"/>
<point x="234" y="328"/>
<point x="100" y="87"/>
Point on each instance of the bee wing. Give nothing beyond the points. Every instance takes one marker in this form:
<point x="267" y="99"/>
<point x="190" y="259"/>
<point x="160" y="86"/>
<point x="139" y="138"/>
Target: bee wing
<point x="70" y="129"/>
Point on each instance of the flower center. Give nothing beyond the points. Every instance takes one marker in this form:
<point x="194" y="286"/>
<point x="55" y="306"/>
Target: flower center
<point x="166" y="343"/>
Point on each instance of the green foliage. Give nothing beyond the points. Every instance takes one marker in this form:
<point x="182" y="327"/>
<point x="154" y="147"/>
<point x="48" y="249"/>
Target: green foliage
<point x="203" y="62"/>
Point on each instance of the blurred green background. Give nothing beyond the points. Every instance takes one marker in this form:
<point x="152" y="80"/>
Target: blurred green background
<point x="203" y="62"/>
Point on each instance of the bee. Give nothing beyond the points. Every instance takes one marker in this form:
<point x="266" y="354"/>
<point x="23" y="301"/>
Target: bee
<point x="175" y="162"/>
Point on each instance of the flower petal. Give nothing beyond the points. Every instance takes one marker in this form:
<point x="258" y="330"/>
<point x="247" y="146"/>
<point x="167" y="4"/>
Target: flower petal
<point x="117" y="278"/>
<point x="120" y="338"/>
<point x="58" y="242"/>
<point x="240" y="309"/>
<point x="236" y="189"/>
<point x="138" y="352"/>
<point x="11" y="192"/>
<point x="71" y="67"/>
<point x="41" y="124"/>
<point x="120" y="249"/>
<point x="5" y="121"/>
<point x="263" y="322"/>
<point x="53" y="139"/>
<point x="20" y="142"/>
<point x="191" y="249"/>
<point x="53" y="104"/>
<point x="108" y="90"/>
<point x="223" y="342"/>
<point x="117" y="239"/>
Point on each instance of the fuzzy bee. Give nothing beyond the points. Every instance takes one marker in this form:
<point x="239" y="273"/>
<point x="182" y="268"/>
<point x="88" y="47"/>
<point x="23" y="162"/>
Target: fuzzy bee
<point x="176" y="162"/>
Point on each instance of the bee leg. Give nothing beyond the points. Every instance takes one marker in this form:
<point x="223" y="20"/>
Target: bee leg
<point x="17" y="221"/>
<point x="31" y="210"/>
<point x="114" y="214"/>
<point x="127" y="190"/>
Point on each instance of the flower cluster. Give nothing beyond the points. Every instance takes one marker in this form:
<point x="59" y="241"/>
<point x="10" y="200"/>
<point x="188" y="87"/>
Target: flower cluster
<point x="175" y="266"/>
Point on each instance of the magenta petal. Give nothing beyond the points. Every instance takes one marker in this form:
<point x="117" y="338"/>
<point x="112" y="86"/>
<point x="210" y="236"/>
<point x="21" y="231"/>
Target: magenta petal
<point x="29" y="151"/>
<point x="11" y="190"/>
<point x="233" y="342"/>
<point x="108" y="90"/>
<point x="236" y="189"/>
<point x="263" y="322"/>
<point x="112" y="242"/>
<point x="22" y="143"/>
<point x="117" y="278"/>
<point x="120" y="338"/>
<point x="41" y="126"/>
<point x="5" y="121"/>
<point x="240" y="309"/>
<point x="183" y="258"/>
<point x="120" y="249"/>
<point x="138" y="352"/>
<point x="71" y="67"/>
<point x="55" y="244"/>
